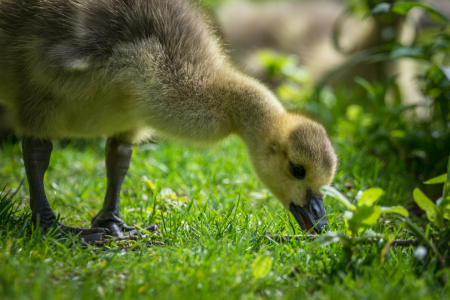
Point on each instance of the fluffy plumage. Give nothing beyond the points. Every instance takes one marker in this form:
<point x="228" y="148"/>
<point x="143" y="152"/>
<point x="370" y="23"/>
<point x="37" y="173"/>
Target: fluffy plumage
<point x="118" y="68"/>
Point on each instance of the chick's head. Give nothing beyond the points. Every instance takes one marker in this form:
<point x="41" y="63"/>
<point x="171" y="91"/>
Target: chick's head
<point x="295" y="160"/>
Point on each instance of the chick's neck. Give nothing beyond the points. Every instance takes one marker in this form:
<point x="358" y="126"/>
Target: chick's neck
<point x="252" y="108"/>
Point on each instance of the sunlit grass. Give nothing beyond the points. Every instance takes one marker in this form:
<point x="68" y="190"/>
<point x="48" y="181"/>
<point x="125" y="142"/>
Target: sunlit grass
<point x="213" y="214"/>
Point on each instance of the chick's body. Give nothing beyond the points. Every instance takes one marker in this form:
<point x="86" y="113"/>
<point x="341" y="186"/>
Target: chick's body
<point x="117" y="68"/>
<point x="80" y="68"/>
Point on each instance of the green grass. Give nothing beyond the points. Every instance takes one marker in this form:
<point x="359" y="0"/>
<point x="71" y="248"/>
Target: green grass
<point x="212" y="220"/>
<point x="214" y="215"/>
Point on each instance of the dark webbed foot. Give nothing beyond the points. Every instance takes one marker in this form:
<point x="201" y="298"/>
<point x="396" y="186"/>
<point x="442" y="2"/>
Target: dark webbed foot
<point x="112" y="222"/>
<point x="82" y="231"/>
<point x="87" y="235"/>
<point x="63" y="230"/>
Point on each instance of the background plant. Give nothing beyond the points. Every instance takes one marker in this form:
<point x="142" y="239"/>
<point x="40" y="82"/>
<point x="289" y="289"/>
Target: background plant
<point x="436" y="236"/>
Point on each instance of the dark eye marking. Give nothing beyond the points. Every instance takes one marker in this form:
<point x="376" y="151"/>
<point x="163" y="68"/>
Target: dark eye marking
<point x="297" y="171"/>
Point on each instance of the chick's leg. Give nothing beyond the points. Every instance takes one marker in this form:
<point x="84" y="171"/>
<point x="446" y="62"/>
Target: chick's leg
<point x="118" y="156"/>
<point x="36" y="158"/>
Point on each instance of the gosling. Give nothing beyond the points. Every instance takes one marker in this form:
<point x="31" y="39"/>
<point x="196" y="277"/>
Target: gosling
<point x="119" y="68"/>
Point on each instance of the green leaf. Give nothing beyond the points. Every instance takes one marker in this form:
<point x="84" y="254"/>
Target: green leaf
<point x="332" y="192"/>
<point x="447" y="216"/>
<point x="445" y="204"/>
<point x="261" y="266"/>
<point x="395" y="209"/>
<point x="370" y="196"/>
<point x="381" y="8"/>
<point x="366" y="215"/>
<point x="367" y="86"/>
<point x="436" y="180"/>
<point x="403" y="8"/>
<point x="362" y="218"/>
<point x="428" y="206"/>
<point x="402" y="52"/>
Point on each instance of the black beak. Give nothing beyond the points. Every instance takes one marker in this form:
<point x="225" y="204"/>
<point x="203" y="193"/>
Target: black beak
<point x="311" y="215"/>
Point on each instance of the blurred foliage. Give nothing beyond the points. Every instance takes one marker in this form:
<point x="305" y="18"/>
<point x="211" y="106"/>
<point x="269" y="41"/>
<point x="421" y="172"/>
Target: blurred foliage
<point x="436" y="236"/>
<point x="373" y="113"/>
<point x="362" y="215"/>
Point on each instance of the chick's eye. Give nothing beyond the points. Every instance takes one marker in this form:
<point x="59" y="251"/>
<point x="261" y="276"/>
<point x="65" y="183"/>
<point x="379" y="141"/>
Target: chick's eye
<point x="298" y="172"/>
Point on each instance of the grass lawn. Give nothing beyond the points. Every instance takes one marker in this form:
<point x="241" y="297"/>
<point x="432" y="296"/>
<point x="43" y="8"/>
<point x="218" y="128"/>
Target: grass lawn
<point x="215" y="218"/>
<point x="213" y="215"/>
